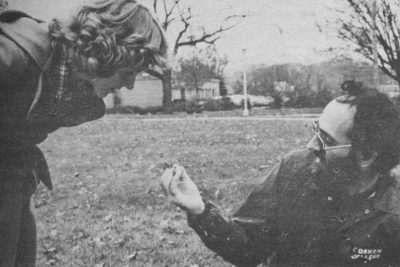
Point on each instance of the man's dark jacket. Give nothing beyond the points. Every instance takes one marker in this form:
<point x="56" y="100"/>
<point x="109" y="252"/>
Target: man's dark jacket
<point x="25" y="49"/>
<point x="298" y="218"/>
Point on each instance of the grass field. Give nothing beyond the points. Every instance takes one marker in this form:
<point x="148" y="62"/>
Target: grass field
<point x="107" y="208"/>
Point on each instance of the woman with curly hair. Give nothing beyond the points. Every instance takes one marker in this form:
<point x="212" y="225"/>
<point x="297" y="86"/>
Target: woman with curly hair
<point x="57" y="77"/>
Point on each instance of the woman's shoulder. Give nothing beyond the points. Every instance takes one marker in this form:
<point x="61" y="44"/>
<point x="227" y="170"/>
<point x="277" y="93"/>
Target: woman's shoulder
<point x="28" y="33"/>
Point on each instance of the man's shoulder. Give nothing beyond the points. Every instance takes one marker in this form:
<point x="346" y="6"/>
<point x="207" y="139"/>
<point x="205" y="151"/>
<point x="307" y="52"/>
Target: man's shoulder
<point x="261" y="203"/>
<point x="290" y="167"/>
<point x="297" y="160"/>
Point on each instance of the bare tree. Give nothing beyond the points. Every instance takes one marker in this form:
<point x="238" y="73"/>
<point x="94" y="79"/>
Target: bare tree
<point x="359" y="28"/>
<point x="200" y="67"/>
<point x="186" y="29"/>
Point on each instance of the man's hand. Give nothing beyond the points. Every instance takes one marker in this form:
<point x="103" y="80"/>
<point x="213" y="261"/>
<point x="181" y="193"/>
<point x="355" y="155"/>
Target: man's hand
<point x="181" y="190"/>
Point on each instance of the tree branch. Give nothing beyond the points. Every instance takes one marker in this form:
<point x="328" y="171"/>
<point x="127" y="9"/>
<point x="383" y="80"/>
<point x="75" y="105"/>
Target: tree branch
<point x="168" y="13"/>
<point x="206" y="37"/>
<point x="359" y="28"/>
<point x="185" y="21"/>
<point x="234" y="16"/>
<point x="155" y="6"/>
<point x="155" y="72"/>
<point x="171" y="10"/>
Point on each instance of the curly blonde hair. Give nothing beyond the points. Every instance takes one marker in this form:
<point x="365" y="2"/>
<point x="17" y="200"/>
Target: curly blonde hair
<point x="107" y="35"/>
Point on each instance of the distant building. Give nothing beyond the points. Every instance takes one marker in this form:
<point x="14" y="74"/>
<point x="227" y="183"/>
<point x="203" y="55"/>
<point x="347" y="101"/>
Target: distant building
<point x="283" y="87"/>
<point x="207" y="90"/>
<point x="146" y="93"/>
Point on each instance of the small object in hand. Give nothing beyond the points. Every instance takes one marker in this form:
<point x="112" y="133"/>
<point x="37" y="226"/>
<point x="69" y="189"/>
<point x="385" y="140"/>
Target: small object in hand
<point x="167" y="166"/>
<point x="173" y="170"/>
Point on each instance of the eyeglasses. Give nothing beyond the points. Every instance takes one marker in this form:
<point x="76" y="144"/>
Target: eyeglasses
<point x="322" y="138"/>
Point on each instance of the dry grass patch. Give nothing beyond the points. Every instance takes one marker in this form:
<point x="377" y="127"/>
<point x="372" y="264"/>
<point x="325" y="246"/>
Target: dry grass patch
<point x="107" y="208"/>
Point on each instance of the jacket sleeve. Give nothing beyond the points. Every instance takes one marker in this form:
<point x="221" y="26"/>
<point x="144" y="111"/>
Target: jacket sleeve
<point x="13" y="62"/>
<point x="249" y="237"/>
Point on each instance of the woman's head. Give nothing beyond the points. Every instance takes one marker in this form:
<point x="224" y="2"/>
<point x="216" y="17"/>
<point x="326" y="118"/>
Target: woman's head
<point x="108" y="35"/>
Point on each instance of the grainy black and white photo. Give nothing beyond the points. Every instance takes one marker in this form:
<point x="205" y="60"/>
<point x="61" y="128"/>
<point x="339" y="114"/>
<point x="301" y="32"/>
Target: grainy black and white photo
<point x="183" y="133"/>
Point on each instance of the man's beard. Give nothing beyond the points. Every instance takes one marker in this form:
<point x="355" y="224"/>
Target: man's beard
<point x="335" y="174"/>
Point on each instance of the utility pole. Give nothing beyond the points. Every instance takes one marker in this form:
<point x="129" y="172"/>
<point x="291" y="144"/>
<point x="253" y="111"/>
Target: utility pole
<point x="374" y="44"/>
<point x="245" y="109"/>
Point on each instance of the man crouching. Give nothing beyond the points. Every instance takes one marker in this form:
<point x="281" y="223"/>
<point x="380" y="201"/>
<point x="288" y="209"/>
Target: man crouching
<point x="337" y="203"/>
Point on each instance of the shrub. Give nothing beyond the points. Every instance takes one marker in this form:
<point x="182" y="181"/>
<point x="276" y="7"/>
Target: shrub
<point x="248" y="104"/>
<point x="212" y="105"/>
<point x="179" y="106"/>
<point x="190" y="106"/>
<point x="217" y="104"/>
<point x="134" y="110"/>
<point x="193" y="106"/>
<point x="227" y="104"/>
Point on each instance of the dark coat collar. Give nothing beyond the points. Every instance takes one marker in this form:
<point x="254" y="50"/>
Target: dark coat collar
<point x="28" y="33"/>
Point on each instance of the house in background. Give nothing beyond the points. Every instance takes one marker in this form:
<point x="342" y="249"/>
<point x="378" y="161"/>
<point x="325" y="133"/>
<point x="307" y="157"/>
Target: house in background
<point x="146" y="93"/>
<point x="207" y="90"/>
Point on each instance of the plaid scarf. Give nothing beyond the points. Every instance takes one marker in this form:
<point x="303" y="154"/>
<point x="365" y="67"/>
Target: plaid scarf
<point x="63" y="72"/>
<point x="65" y="100"/>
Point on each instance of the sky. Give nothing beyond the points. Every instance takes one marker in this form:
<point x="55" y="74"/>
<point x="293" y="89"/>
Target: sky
<point x="274" y="31"/>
